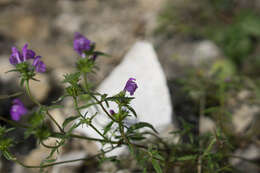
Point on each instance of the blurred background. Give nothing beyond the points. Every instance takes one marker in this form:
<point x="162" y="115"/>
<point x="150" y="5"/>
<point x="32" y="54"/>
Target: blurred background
<point x="209" y="51"/>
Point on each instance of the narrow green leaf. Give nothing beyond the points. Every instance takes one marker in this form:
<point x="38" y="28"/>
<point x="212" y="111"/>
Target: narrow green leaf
<point x="132" y="110"/>
<point x="156" y="166"/>
<point x="101" y="54"/>
<point x="108" y="127"/>
<point x="8" y="155"/>
<point x="158" y="156"/>
<point x="141" y="125"/>
<point x="13" y="70"/>
<point x="68" y="120"/>
<point x="59" y="99"/>
<point x="136" y="137"/>
<point x="188" y="157"/>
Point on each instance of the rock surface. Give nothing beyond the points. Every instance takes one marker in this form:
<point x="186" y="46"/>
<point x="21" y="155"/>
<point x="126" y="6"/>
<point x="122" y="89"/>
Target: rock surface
<point x="250" y="153"/>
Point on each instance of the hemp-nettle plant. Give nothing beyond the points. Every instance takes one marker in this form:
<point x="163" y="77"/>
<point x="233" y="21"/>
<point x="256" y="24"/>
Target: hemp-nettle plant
<point x="152" y="153"/>
<point x="26" y="63"/>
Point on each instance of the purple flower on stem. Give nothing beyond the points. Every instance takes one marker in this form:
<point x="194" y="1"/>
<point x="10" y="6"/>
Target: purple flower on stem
<point x="39" y="65"/>
<point x="131" y="86"/>
<point x="81" y="44"/>
<point x="18" y="57"/>
<point x="17" y="110"/>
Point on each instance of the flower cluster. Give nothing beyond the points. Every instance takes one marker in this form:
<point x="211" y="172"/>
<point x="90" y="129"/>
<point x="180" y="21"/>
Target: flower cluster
<point x="17" y="110"/>
<point x="81" y="44"/>
<point x="18" y="57"/>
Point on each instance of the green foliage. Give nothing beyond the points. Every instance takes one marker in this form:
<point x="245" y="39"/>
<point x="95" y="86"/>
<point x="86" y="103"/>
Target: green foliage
<point x="208" y="153"/>
<point x="235" y="30"/>
<point x="6" y="143"/>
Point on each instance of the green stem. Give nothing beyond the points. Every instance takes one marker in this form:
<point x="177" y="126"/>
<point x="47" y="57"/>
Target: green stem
<point x="56" y="123"/>
<point x="28" y="91"/>
<point x="93" y="139"/>
<point x="121" y="129"/>
<point x="103" y="108"/>
<point x="13" y="123"/>
<point x="11" y="95"/>
<point x="85" y="80"/>
<point x="62" y="162"/>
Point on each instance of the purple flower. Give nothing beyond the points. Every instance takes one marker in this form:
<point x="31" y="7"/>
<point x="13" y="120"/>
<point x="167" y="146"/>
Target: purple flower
<point x="17" y="110"/>
<point x="18" y="57"/>
<point x="112" y="112"/>
<point x="131" y="86"/>
<point x="28" y="53"/>
<point x="81" y="44"/>
<point x="39" y="65"/>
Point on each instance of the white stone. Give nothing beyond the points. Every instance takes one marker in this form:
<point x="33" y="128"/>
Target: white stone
<point x="152" y="99"/>
<point x="243" y="117"/>
<point x="69" y="156"/>
<point x="206" y="125"/>
<point x="205" y="52"/>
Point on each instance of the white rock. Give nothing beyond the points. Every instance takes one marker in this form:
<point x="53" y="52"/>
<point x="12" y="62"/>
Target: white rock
<point x="250" y="153"/>
<point x="69" y="156"/>
<point x="206" y="125"/>
<point x="152" y="99"/>
<point x="205" y="52"/>
<point x="243" y="117"/>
